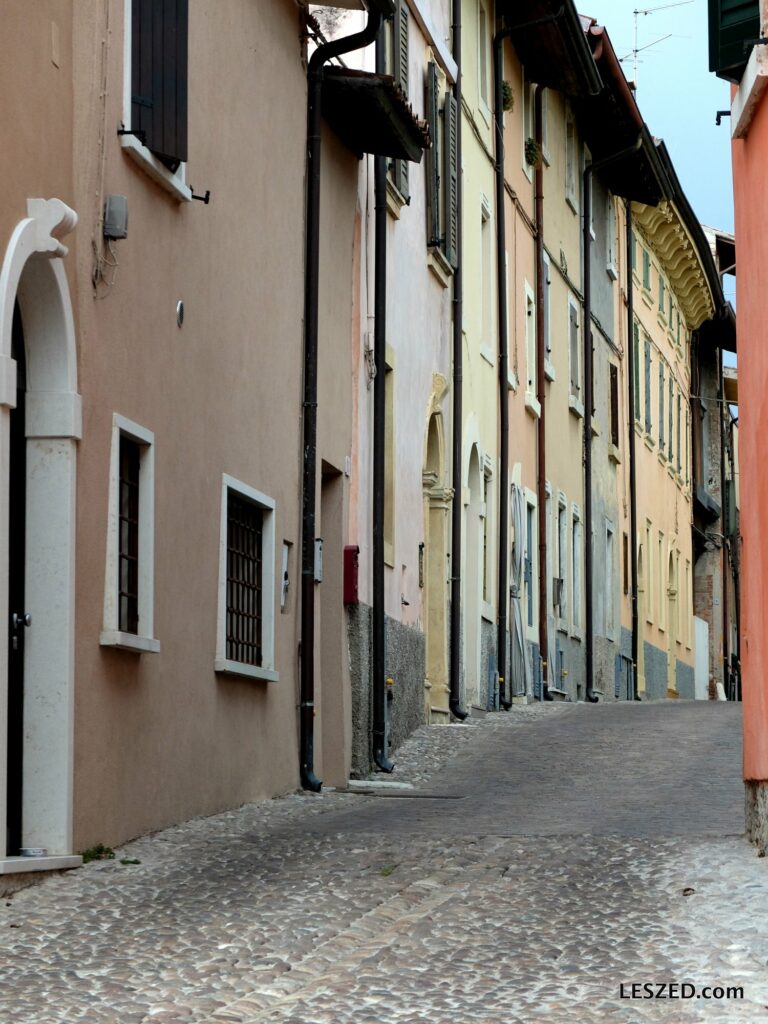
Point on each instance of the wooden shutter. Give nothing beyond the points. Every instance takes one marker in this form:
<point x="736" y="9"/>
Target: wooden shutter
<point x="433" y="157"/>
<point x="451" y="180"/>
<point x="159" y="33"/>
<point x="671" y="416"/>
<point x="614" y="372"/>
<point x="574" y="331"/>
<point x="661" y="407"/>
<point x="636" y="382"/>
<point x="400" y="55"/>
<point x="732" y="24"/>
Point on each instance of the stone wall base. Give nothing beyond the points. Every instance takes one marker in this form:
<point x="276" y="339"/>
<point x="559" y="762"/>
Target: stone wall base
<point x="756" y="810"/>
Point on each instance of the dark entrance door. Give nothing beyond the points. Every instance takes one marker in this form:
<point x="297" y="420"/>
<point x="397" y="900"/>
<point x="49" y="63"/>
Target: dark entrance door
<point x="16" y="527"/>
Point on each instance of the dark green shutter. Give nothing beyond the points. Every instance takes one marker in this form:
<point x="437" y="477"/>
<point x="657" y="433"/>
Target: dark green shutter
<point x="433" y="158"/>
<point x="733" y="26"/>
<point x="451" y="180"/>
<point x="401" y="77"/>
<point x="159" y="30"/>
<point x="648" y="421"/>
<point x="661" y="407"/>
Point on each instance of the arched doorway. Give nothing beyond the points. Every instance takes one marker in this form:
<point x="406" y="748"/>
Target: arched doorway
<point x="640" y="620"/>
<point x="40" y="426"/>
<point x="672" y="627"/>
<point x="435" y="572"/>
<point x="473" y="682"/>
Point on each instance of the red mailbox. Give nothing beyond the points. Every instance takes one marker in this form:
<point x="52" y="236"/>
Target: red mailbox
<point x="351" y="552"/>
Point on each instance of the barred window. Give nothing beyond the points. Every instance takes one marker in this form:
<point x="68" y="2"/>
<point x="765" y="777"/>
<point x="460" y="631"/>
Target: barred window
<point x="245" y="530"/>
<point x="128" y="536"/>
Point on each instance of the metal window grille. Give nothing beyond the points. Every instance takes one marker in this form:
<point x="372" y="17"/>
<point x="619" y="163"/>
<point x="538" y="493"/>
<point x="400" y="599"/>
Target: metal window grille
<point x="128" y="546"/>
<point x="245" y="527"/>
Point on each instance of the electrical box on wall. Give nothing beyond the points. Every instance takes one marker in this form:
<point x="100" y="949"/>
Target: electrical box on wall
<point x="318" y="559"/>
<point x="351" y="564"/>
<point x="116" y="217"/>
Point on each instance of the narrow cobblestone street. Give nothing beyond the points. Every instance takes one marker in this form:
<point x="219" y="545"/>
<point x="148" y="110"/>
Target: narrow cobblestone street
<point x="531" y="864"/>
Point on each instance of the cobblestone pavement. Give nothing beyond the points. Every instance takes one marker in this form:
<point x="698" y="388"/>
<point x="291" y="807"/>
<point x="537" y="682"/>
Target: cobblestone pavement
<point x="561" y="852"/>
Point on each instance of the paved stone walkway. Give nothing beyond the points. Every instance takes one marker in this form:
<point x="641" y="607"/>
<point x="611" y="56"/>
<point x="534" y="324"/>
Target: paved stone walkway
<point x="563" y="852"/>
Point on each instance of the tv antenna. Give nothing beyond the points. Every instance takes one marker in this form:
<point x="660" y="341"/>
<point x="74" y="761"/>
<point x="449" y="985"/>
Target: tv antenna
<point x="638" y="49"/>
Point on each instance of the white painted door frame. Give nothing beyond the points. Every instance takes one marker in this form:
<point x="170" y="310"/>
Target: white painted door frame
<point x="33" y="273"/>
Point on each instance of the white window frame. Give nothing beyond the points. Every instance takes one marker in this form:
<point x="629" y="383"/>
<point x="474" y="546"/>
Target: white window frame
<point x="528" y="122"/>
<point x="549" y="369"/>
<point x="174" y="182"/>
<point x="268" y="555"/>
<point x="571" y="163"/>
<point x="611" y="237"/>
<point x="111" y="634"/>
<point x="575" y="400"/>
<point x="532" y="632"/>
<point x="562" y="560"/>
<point x="577" y="573"/>
<point x="610" y="574"/>
<point x="531" y="378"/>
<point x="484" y="61"/>
<point x="486" y="512"/>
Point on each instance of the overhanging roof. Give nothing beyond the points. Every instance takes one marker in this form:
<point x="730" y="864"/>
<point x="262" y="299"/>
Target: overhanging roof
<point x="611" y="122"/>
<point x="369" y="113"/>
<point x="549" y="40"/>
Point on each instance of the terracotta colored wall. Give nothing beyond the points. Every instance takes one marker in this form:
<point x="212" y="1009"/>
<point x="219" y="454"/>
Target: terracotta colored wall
<point x="751" y="217"/>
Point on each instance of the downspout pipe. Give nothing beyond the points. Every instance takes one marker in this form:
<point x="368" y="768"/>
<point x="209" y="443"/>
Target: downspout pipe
<point x="631" y="370"/>
<point x="721" y="414"/>
<point x="503" y="328"/>
<point x="589" y="170"/>
<point x="380" y="732"/>
<point x="541" y="397"/>
<point x="317" y="61"/>
<point x="454" y="700"/>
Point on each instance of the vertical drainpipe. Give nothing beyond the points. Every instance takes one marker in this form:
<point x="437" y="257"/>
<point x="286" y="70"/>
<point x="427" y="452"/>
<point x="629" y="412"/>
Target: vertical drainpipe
<point x="311" y="321"/>
<point x="541" y="396"/>
<point x="588" y="402"/>
<point x="721" y="410"/>
<point x="589" y="170"/>
<point x="458" y="341"/>
<point x="501" y="277"/>
<point x="631" y="370"/>
<point x="380" y="737"/>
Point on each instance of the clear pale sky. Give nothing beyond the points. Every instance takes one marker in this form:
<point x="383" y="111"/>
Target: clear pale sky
<point x="678" y="96"/>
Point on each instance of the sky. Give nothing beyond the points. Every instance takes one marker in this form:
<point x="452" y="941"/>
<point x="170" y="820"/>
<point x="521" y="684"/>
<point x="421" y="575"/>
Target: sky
<point x="678" y="96"/>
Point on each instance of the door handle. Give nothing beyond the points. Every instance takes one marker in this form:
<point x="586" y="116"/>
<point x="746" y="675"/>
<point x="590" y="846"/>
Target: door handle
<point x="21" y="620"/>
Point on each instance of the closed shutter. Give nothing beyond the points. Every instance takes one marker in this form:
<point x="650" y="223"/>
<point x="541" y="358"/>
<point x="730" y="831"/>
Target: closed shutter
<point x="614" y="372"/>
<point x="159" y="33"/>
<point x="451" y="180"/>
<point x="733" y="25"/>
<point x="433" y="158"/>
<point x="574" y="339"/>
<point x="401" y="77"/>
<point x="648" y="386"/>
<point x="671" y="449"/>
<point x="661" y="408"/>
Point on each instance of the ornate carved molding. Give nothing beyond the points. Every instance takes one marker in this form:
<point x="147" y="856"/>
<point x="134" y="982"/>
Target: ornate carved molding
<point x="665" y="233"/>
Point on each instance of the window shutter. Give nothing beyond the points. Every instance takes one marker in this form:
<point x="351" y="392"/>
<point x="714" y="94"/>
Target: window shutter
<point x="451" y="180"/>
<point x="433" y="158"/>
<point x="636" y="382"/>
<point x="732" y="24"/>
<point x="401" y="77"/>
<point x="614" y="371"/>
<point x="661" y="408"/>
<point x="159" y="32"/>
<point x="574" y="326"/>
<point x="648" y="386"/>
<point x="671" y="416"/>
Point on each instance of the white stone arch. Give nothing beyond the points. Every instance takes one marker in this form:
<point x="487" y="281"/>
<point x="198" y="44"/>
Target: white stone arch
<point x="33" y="274"/>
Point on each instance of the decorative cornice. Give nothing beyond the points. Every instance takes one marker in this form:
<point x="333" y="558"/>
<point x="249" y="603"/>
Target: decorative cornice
<point x="666" y="235"/>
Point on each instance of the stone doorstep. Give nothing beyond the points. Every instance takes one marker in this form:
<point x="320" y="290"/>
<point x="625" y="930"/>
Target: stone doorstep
<point x="374" y="785"/>
<point x="18" y="873"/>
